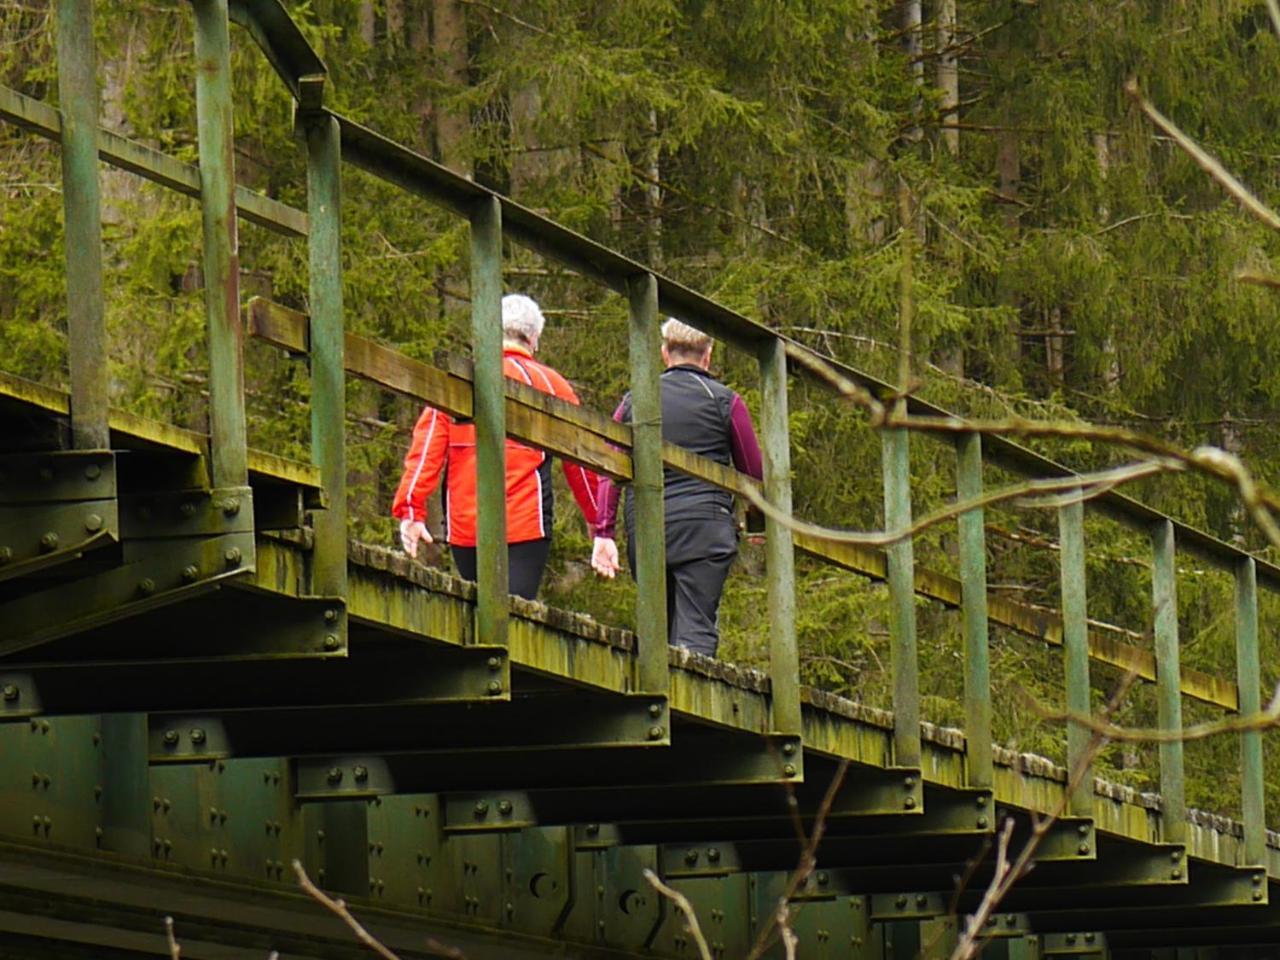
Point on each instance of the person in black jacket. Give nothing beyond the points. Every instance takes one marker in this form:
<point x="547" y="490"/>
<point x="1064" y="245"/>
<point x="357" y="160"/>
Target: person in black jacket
<point x="700" y="414"/>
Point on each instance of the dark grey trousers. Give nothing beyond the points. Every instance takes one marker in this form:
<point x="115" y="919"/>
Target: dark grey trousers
<point x="700" y="553"/>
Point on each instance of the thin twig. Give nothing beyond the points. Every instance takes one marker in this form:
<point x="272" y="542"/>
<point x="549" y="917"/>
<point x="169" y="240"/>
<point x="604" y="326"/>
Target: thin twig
<point x="1265" y="719"/>
<point x="789" y="938"/>
<point x="1258" y="279"/>
<point x="339" y="909"/>
<point x="1206" y="161"/>
<point x="685" y="907"/>
<point x="175" y="951"/>
<point x="1273" y="8"/>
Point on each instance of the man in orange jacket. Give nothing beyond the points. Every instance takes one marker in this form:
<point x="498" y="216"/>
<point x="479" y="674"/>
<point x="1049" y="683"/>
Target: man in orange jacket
<point x="442" y="444"/>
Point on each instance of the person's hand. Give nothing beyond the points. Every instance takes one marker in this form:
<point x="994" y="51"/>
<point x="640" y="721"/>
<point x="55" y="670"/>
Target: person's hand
<point x="604" y="557"/>
<point x="411" y="532"/>
<point x="755" y="539"/>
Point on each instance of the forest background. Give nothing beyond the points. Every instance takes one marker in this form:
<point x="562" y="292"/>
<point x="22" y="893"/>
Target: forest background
<point x="1069" y="262"/>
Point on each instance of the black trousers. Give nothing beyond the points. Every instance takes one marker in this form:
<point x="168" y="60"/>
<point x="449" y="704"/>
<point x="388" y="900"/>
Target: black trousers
<point x="525" y="565"/>
<point x="700" y="553"/>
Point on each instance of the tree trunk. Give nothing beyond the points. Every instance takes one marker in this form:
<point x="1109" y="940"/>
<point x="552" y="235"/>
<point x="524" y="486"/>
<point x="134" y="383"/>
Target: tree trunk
<point x="395" y="22"/>
<point x="653" y="194"/>
<point x="948" y="75"/>
<point x="1111" y="358"/>
<point x="366" y="21"/>
<point x="449" y="38"/>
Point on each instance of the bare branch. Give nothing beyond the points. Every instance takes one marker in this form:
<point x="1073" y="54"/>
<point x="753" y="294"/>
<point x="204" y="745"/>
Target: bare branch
<point x="1208" y="163"/>
<point x="686" y="908"/>
<point x="175" y="951"/>
<point x="1265" y="719"/>
<point x="1258" y="279"/>
<point x="789" y="938"/>
<point x="1077" y="487"/>
<point x="339" y="909"/>
<point x="1273" y="8"/>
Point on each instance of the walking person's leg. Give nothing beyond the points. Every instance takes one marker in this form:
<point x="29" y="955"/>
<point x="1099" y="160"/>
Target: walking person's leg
<point x="526" y="563"/>
<point x="695" y="599"/>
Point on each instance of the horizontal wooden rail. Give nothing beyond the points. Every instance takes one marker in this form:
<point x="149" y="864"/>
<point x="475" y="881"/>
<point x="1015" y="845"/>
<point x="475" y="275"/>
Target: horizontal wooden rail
<point x="184" y="178"/>
<point x="588" y="437"/>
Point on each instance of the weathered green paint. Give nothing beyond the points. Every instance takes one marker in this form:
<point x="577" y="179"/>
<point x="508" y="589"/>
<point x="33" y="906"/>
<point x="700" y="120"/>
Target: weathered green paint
<point x="228" y="451"/>
<point x="328" y="375"/>
<point x="1075" y="646"/>
<point x="1249" y="680"/>
<point x="1168" y="682"/>
<point x="86" y="328"/>
<point x="902" y="612"/>
<point x="650" y="546"/>
<point x="973" y="579"/>
<point x="490" y="419"/>
<point x="784" y="657"/>
<point x="125" y="794"/>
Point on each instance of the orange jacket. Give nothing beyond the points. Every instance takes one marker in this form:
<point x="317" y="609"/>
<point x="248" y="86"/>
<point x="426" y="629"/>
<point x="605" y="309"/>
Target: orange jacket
<point x="441" y="444"/>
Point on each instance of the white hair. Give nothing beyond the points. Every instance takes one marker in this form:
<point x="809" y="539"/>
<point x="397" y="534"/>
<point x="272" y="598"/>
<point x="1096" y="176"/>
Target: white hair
<point x="681" y="338"/>
<point x="522" y="318"/>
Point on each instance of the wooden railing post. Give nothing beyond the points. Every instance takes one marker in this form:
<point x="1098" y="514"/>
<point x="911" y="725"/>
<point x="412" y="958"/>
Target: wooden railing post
<point x="490" y="413"/>
<point x="86" y="328"/>
<point x="328" y="371"/>
<point x="1248" y="681"/>
<point x="784" y="658"/>
<point x="902" y="598"/>
<point x="646" y="460"/>
<point x="973" y="582"/>
<point x="228" y="450"/>
<point x="1075" y="648"/>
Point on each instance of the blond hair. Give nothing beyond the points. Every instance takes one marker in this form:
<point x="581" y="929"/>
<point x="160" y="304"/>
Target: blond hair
<point x="680" y="338"/>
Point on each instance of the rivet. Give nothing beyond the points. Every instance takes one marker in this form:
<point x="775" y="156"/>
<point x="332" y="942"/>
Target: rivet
<point x="1083" y="829"/>
<point x="6" y="554"/>
<point x="494" y="663"/>
<point x="789" y="748"/>
<point x="655" y="710"/>
<point x="92" y="472"/>
<point x="982" y="823"/>
<point x="1083" y="849"/>
<point x="481" y="808"/>
<point x="593" y="829"/>
<point x="49" y="541"/>
<point x="713" y="854"/>
<point x="93" y="523"/>
<point x="901" y="902"/>
<point x="789" y="769"/>
<point x="231" y="506"/>
<point x="232" y="556"/>
<point x="1090" y="937"/>
<point x="655" y="733"/>
<point x="171" y="738"/>
<point x="197" y="735"/>
<point x="494" y="688"/>
<point x="982" y="800"/>
<point x="361" y="773"/>
<point x="1257" y="879"/>
<point x="823" y="879"/>
<point x="504" y="807"/>
<point x="1175" y="855"/>
<point x="187" y="509"/>
<point x="691" y="857"/>
<point x="190" y="573"/>
<point x="922" y="901"/>
<point x="331" y="641"/>
<point x="146" y="586"/>
<point x="1071" y="938"/>
<point x="1258" y="894"/>
<point x="11" y="692"/>
<point x="1010" y="920"/>
<point x="909" y="803"/>
<point x="334" y="775"/>
<point x="331" y="616"/>
<point x="45" y="727"/>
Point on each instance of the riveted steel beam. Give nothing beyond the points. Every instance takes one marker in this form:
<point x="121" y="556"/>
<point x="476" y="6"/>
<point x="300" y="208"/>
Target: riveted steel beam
<point x="449" y="734"/>
<point x="1073" y="944"/>
<point x="373" y="675"/>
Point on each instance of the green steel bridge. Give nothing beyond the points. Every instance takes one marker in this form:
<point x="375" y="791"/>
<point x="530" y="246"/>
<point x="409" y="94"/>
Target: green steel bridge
<point x="202" y="680"/>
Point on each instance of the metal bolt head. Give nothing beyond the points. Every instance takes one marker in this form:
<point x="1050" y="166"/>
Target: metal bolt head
<point x="908" y="782"/>
<point x="361" y="773"/>
<point x="10" y="692"/>
<point x="482" y="808"/>
<point x="197" y="735"/>
<point x="1090" y="937"/>
<point x="909" y="803"/>
<point x="1083" y="849"/>
<point x="921" y="901"/>
<point x="655" y="710"/>
<point x="49" y="541"/>
<point x="981" y="800"/>
<point x="93" y="523"/>
<point x="331" y="642"/>
<point x="494" y="688"/>
<point x="494" y="663"/>
<point x="505" y="808"/>
<point x="713" y="854"/>
<point x="691" y="857"/>
<point x="901" y="902"/>
<point x="171" y="738"/>
<point x="334" y="775"/>
<point x="982" y="823"/>
<point x="1175" y="873"/>
<point x="1083" y="829"/>
<point x="146" y="586"/>
<point x="823" y="878"/>
<point x="231" y="506"/>
<point x="187" y="509"/>
<point x="331" y="615"/>
<point x="92" y="472"/>
<point x="593" y="829"/>
<point x="789" y="769"/>
<point x="232" y="556"/>
<point x="191" y="573"/>
<point x="789" y="749"/>
<point x="655" y="733"/>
